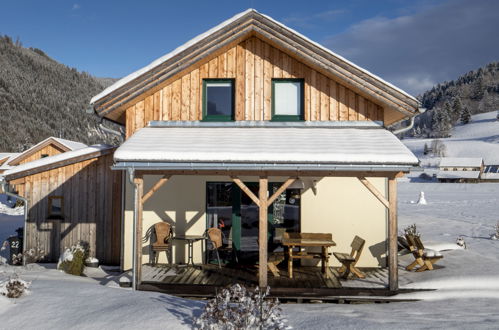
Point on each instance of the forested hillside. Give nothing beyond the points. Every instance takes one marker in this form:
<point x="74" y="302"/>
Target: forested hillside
<point x="454" y="102"/>
<point x="40" y="98"/>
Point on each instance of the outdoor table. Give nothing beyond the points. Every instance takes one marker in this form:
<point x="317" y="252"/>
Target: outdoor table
<point x="291" y="243"/>
<point x="190" y="239"/>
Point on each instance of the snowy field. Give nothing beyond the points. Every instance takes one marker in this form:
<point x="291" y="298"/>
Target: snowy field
<point x="479" y="138"/>
<point x="466" y="282"/>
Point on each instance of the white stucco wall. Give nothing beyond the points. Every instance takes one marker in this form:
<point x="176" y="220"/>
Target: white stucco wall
<point x="341" y="206"/>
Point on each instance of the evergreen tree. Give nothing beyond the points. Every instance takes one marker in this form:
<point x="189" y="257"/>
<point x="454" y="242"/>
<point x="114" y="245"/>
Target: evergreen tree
<point x="465" y="115"/>
<point x="457" y="109"/>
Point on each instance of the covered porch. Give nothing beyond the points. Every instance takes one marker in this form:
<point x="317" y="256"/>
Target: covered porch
<point x="264" y="162"/>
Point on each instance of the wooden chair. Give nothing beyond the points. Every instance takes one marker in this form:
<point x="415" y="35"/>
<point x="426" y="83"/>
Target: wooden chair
<point x="423" y="259"/>
<point x="163" y="232"/>
<point x="215" y="236"/>
<point x="348" y="261"/>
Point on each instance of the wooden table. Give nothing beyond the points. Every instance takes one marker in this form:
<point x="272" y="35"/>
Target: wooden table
<point x="293" y="240"/>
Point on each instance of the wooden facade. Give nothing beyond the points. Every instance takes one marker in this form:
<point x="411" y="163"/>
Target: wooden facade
<point x="253" y="63"/>
<point x="46" y="151"/>
<point x="91" y="199"/>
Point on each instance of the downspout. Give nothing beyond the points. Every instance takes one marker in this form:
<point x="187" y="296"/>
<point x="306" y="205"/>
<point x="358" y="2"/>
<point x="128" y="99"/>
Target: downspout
<point x="411" y="124"/>
<point x="5" y="188"/>
<point x="131" y="175"/>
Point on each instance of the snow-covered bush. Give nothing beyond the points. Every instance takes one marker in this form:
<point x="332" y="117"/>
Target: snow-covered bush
<point x="412" y="230"/>
<point x="237" y="307"/>
<point x="495" y="236"/>
<point x="72" y="261"/>
<point x="14" y="288"/>
<point x="34" y="255"/>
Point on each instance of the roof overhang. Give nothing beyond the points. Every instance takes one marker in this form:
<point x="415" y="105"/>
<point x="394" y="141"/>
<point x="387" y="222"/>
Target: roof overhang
<point x="264" y="146"/>
<point x="245" y="24"/>
<point x="60" y="160"/>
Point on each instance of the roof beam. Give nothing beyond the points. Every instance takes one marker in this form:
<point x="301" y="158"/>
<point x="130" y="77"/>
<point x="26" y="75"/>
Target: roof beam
<point x="374" y="191"/>
<point x="279" y="191"/>
<point x="246" y="190"/>
<point x="155" y="188"/>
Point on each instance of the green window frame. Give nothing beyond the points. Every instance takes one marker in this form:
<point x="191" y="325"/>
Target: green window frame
<point x="301" y="103"/>
<point x="208" y="117"/>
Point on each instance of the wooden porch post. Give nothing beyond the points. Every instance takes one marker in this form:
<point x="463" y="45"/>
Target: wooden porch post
<point x="139" y="192"/>
<point x="262" y="232"/>
<point x="392" y="235"/>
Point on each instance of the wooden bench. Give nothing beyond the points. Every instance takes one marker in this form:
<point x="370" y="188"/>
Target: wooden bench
<point x="348" y="261"/>
<point x="423" y="259"/>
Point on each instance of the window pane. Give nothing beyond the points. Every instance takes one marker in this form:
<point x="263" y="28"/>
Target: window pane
<point x="219" y="98"/>
<point x="287" y="98"/>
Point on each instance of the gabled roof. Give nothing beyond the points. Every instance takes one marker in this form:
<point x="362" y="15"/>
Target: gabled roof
<point x="56" y="161"/>
<point x="265" y="146"/>
<point x="5" y="158"/>
<point x="251" y="22"/>
<point x="460" y="162"/>
<point x="63" y="144"/>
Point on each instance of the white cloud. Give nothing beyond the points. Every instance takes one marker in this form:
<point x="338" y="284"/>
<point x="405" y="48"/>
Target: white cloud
<point x="416" y="51"/>
<point x="75" y="6"/>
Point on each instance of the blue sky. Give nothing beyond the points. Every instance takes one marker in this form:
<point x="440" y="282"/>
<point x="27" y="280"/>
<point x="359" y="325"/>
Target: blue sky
<point x="413" y="44"/>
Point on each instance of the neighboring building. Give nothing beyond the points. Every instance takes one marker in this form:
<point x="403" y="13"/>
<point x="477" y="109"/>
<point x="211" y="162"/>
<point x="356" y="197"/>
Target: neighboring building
<point x="249" y="104"/>
<point x="5" y="158"/>
<point x="490" y="173"/>
<point x="72" y="196"/>
<point x="454" y="169"/>
<point x="49" y="147"/>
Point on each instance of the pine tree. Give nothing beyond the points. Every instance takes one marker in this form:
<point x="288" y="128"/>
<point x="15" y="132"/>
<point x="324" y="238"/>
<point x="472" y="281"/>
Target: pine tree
<point x="465" y="115"/>
<point x="457" y="109"/>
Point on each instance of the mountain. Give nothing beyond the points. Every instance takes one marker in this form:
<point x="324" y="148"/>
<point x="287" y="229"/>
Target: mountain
<point x="453" y="102"/>
<point x="40" y="97"/>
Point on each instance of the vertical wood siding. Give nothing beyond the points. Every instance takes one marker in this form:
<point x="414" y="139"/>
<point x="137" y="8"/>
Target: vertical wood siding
<point x="49" y="150"/>
<point x="92" y="209"/>
<point x="252" y="63"/>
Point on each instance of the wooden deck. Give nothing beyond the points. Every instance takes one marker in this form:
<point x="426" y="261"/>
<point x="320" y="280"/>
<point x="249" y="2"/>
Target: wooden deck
<point x="206" y="280"/>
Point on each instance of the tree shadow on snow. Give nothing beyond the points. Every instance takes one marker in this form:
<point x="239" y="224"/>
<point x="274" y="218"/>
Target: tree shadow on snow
<point x="186" y="311"/>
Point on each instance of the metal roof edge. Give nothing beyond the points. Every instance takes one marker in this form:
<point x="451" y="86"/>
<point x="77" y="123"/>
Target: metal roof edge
<point x="268" y="124"/>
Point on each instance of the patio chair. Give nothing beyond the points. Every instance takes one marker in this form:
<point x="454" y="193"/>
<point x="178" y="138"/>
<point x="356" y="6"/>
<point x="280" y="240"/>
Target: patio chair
<point x="348" y="261"/>
<point x="163" y="231"/>
<point x="215" y="237"/>
<point x="424" y="258"/>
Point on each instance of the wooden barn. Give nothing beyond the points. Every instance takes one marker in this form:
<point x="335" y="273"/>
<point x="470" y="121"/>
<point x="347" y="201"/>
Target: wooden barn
<point x="72" y="196"/>
<point x="255" y="133"/>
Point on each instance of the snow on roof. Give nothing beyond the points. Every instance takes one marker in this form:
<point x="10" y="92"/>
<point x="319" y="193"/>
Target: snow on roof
<point x="265" y="145"/>
<point x="65" y="156"/>
<point x="458" y="174"/>
<point x="200" y="37"/>
<point x="5" y="165"/>
<point x="73" y="145"/>
<point x="460" y="162"/>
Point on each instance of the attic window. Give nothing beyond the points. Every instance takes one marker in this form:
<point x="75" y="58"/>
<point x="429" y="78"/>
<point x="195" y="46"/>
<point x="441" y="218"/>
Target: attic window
<point x="287" y="99"/>
<point x="218" y="99"/>
<point x="44" y="155"/>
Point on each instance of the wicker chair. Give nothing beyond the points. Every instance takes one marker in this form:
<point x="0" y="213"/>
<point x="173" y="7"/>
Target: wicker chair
<point x="215" y="237"/>
<point x="163" y="232"/>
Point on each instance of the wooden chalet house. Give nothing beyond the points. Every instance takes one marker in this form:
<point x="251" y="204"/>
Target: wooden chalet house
<point x="254" y="129"/>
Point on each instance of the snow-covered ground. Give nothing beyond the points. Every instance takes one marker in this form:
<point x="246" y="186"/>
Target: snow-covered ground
<point x="466" y="281"/>
<point x="479" y="138"/>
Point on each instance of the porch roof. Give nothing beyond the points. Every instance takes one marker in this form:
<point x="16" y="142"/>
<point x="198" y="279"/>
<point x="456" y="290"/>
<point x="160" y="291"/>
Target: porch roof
<point x="264" y="146"/>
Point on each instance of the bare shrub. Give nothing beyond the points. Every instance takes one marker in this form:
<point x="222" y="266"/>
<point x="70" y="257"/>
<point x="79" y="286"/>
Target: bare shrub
<point x="237" y="307"/>
<point x="14" y="288"/>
